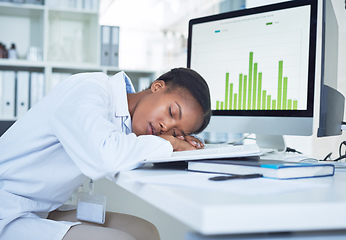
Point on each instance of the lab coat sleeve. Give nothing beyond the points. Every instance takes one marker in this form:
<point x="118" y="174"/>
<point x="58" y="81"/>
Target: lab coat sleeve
<point x="82" y="122"/>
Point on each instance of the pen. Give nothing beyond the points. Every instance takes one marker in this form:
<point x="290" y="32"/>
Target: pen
<point x="236" y="176"/>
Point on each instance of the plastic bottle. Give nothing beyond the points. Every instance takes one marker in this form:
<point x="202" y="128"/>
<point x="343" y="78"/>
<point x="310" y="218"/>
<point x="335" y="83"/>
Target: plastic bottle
<point x="12" y="53"/>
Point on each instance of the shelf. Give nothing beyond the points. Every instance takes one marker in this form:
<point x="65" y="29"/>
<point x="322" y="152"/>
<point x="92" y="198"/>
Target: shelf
<point x="18" y="9"/>
<point x="68" y="68"/>
<point x="73" y="11"/>
<point x="73" y="15"/>
<point x="20" y="62"/>
<point x="116" y="69"/>
<point x="91" y="6"/>
<point x="16" y="65"/>
<point x="76" y="68"/>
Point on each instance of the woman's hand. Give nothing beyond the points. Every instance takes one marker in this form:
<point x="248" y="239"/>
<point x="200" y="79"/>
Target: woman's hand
<point x="192" y="140"/>
<point x="182" y="143"/>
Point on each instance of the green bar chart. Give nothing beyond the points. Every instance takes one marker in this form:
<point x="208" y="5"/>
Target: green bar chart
<point x="250" y="94"/>
<point x="266" y="68"/>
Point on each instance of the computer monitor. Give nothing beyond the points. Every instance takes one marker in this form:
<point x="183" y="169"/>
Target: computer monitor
<point x="259" y="64"/>
<point x="331" y="101"/>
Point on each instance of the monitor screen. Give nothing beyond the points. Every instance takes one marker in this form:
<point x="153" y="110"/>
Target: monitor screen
<point x="259" y="64"/>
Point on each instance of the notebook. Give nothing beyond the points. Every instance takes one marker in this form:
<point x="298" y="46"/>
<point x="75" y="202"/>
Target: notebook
<point x="268" y="168"/>
<point x="211" y="151"/>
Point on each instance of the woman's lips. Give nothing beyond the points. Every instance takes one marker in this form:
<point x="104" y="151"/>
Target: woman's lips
<point x="152" y="130"/>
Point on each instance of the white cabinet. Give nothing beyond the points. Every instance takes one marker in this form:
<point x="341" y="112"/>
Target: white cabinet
<point x="56" y="39"/>
<point x="22" y="24"/>
<point x="73" y="37"/>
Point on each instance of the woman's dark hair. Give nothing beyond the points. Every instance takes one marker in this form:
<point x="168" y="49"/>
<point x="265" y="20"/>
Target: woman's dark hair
<point x="194" y="83"/>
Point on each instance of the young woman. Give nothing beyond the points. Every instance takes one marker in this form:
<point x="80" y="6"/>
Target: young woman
<point x="95" y="126"/>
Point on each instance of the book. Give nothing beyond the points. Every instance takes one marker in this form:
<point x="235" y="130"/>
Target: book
<point x="268" y="168"/>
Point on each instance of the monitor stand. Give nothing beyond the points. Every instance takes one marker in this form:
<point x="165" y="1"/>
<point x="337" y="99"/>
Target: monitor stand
<point x="274" y="148"/>
<point x="271" y="142"/>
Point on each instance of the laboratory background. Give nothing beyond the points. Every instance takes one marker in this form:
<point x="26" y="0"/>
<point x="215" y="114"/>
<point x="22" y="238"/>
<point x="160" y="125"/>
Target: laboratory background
<point x="48" y="40"/>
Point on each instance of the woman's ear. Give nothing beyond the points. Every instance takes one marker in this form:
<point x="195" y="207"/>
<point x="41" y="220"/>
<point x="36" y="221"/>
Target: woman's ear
<point x="157" y="85"/>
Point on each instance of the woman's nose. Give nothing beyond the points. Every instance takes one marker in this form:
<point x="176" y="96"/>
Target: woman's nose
<point x="166" y="126"/>
<point x="163" y="126"/>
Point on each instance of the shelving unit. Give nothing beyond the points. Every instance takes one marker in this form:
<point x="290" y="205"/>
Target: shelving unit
<point x="65" y="40"/>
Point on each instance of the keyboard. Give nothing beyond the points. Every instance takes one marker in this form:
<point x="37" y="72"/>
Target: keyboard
<point x="211" y="151"/>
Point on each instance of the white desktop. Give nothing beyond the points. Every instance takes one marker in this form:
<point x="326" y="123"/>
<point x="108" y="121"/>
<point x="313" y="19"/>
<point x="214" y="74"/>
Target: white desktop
<point x="240" y="208"/>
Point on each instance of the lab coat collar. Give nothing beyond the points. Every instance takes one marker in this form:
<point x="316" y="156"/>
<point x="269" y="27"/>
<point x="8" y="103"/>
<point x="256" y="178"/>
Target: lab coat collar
<point x="123" y="82"/>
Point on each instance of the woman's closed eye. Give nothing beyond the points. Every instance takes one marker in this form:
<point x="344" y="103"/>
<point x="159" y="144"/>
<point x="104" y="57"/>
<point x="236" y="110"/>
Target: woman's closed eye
<point x="170" y="112"/>
<point x="175" y="111"/>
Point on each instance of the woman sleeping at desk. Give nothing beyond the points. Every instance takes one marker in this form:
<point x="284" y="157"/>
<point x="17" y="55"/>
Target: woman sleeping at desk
<point x="92" y="125"/>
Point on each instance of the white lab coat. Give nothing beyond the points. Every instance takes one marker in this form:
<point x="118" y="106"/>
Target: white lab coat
<point x="81" y="128"/>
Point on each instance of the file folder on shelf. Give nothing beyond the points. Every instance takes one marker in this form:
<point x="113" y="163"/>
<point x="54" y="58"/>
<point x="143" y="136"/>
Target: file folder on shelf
<point x="8" y="95"/>
<point x="37" y="87"/>
<point x="114" y="49"/>
<point x="105" y="45"/>
<point x="22" y="93"/>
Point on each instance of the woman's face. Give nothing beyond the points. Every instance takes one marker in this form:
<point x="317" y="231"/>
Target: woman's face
<point x="174" y="113"/>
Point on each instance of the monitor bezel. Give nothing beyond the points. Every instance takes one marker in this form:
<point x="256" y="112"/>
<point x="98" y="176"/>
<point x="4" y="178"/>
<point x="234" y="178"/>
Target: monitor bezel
<point x="312" y="56"/>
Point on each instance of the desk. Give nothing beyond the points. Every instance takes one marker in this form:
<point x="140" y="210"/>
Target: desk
<point x="228" y="213"/>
